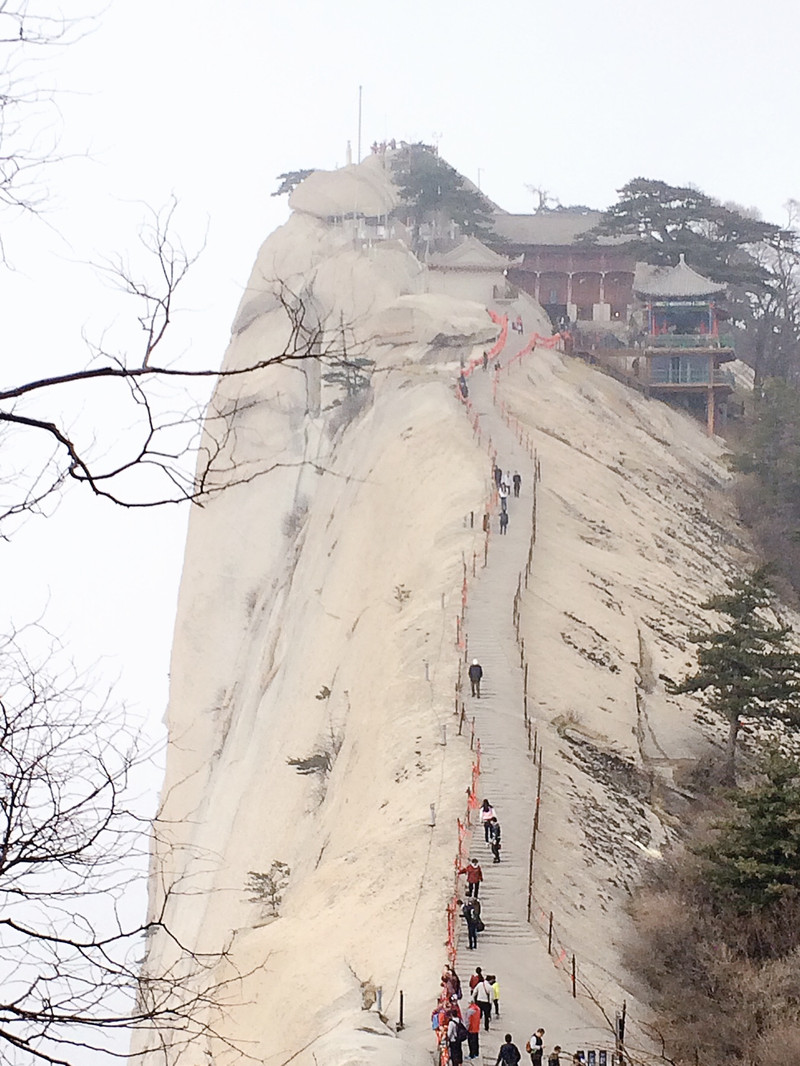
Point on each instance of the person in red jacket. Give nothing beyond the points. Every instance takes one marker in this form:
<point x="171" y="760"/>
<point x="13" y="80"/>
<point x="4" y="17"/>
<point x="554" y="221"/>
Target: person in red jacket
<point x="474" y="877"/>
<point x="474" y="1015"/>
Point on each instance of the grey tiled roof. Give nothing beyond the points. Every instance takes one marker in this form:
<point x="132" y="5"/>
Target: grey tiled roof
<point x="679" y="280"/>
<point x="550" y="227"/>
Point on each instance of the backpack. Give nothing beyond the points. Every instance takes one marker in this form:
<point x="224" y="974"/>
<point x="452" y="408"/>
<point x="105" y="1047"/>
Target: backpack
<point x="461" y="1031"/>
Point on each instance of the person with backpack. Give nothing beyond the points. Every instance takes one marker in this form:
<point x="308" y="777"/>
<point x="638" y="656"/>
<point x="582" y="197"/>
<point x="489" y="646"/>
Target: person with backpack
<point x="494" y="839"/>
<point x="471" y="917"/>
<point x="473" y="1029"/>
<point x="509" y="1053"/>
<point x="535" y="1047"/>
<point x="482" y="995"/>
<point x="553" y="1058"/>
<point x="456" y="1035"/>
<point x="517" y="482"/>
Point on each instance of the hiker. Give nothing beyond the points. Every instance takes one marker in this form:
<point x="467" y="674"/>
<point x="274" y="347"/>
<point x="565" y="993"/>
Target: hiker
<point x="439" y="1017"/>
<point x="474" y="877"/>
<point x="451" y="983"/>
<point x="485" y="360"/>
<point x="482" y="995"/>
<point x="509" y="1053"/>
<point x="487" y="813"/>
<point x="494" y="839"/>
<point x="535" y="1047"/>
<point x="475" y="674"/>
<point x="492" y="979"/>
<point x="506" y="480"/>
<point x="498" y="475"/>
<point x="456" y="1035"/>
<point x="517" y="479"/>
<point x="470" y="916"/>
<point x="502" y="492"/>
<point x="503" y="522"/>
<point x="476" y="977"/>
<point x="473" y="1029"/>
<point x="462" y="386"/>
<point x="552" y="1058"/>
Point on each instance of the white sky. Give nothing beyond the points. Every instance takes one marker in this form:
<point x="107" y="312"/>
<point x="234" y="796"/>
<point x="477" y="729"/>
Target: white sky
<point x="212" y="100"/>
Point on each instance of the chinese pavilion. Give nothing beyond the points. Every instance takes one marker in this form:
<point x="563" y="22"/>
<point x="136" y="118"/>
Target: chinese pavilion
<point x="681" y="345"/>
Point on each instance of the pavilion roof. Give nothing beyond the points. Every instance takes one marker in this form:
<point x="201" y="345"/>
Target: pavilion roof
<point x="469" y="254"/>
<point x="677" y="281"/>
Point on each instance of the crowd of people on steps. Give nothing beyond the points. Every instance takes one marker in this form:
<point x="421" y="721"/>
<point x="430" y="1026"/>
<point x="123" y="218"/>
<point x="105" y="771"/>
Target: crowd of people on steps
<point x="464" y="1027"/>
<point x="457" y="1023"/>
<point x="455" y="1020"/>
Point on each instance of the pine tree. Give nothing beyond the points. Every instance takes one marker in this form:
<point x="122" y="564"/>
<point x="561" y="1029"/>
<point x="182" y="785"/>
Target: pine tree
<point x="754" y="864"/>
<point x="749" y="667"/>
<point x="430" y="188"/>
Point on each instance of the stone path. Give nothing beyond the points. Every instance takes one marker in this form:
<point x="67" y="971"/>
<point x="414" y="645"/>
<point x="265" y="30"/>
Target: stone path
<point x="533" y="992"/>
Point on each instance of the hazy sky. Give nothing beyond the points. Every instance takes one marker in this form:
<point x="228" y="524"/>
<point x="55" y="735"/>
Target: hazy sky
<point x="211" y="100"/>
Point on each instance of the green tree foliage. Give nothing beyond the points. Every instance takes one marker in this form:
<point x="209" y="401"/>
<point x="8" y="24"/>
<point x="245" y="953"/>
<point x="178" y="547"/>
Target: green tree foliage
<point x="717" y="929"/>
<point x="748" y="667"/>
<point x="351" y="373"/>
<point x="667" y="220"/>
<point x="431" y="190"/>
<point x="290" y="180"/>
<point x="770" y="447"/>
<point x="754" y="862"/>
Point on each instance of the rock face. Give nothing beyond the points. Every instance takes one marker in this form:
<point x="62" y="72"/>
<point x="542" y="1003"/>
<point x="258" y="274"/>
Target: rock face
<point x="314" y="664"/>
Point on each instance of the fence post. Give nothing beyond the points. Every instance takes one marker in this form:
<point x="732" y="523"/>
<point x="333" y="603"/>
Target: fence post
<point x="522" y="652"/>
<point x="530" y="878"/>
<point x="574" y="983"/>
<point x="550" y="935"/>
<point x="400" y="1024"/>
<point x="538" y="794"/>
<point x="619" y="1028"/>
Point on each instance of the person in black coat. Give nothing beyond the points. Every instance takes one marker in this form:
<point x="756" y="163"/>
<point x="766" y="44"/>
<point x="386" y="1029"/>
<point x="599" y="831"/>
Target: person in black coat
<point x="509" y="1053"/>
<point x="494" y="838"/>
<point x="475" y="674"/>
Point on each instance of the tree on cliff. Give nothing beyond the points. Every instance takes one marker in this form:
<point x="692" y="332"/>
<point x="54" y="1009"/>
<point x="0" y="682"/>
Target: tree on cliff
<point x="433" y="191"/>
<point x="753" y="861"/>
<point x="749" y="667"/>
<point x="716" y="931"/>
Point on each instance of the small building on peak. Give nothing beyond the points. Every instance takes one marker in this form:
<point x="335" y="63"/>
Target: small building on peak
<point x="470" y="271"/>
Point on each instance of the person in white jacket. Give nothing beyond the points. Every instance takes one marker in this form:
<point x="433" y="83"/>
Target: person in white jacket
<point x="487" y="813"/>
<point x="482" y="994"/>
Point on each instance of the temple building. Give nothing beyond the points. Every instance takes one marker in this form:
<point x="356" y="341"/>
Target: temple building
<point x="574" y="280"/>
<point x="682" y="346"/>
